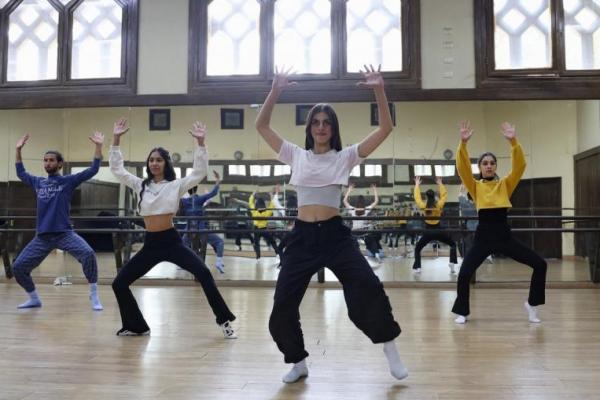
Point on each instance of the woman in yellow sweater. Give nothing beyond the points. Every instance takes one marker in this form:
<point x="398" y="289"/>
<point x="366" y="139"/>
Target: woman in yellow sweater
<point x="258" y="208"/>
<point x="491" y="195"/>
<point x="432" y="208"/>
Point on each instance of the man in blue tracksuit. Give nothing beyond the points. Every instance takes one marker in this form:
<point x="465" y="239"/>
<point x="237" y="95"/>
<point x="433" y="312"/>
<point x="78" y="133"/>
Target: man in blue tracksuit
<point x="53" y="228"/>
<point x="193" y="206"/>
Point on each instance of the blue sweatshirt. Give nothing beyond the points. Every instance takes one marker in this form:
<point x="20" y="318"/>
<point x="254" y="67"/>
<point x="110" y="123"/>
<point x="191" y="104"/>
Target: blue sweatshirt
<point x="54" y="196"/>
<point x="193" y="206"/>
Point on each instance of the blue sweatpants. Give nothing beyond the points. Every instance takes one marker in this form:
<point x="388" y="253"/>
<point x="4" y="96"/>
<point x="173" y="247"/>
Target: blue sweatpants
<point x="213" y="239"/>
<point x="41" y="245"/>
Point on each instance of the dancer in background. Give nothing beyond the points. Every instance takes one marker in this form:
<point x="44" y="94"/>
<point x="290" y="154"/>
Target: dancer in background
<point x="433" y="208"/>
<point x="491" y="195"/>
<point x="159" y="196"/>
<point x="53" y="228"/>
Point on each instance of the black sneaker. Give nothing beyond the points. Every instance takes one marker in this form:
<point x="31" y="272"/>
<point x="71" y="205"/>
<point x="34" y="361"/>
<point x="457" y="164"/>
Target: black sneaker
<point x="127" y="332"/>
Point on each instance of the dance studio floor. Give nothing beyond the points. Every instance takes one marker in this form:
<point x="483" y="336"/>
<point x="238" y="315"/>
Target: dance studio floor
<point x="66" y="351"/>
<point x="394" y="269"/>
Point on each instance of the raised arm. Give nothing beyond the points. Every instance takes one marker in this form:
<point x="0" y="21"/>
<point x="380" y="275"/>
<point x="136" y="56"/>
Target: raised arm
<point x="517" y="157"/>
<point x="443" y="194"/>
<point x="417" y="193"/>
<point x="376" y="199"/>
<point x="463" y="161"/>
<point x="115" y="158"/>
<point x="374" y="80"/>
<point x="346" y="203"/>
<point x="263" y="120"/>
<point x="275" y="199"/>
<point x="200" y="165"/>
<point x="98" y="139"/>
<point x="215" y="190"/>
<point x="21" y="173"/>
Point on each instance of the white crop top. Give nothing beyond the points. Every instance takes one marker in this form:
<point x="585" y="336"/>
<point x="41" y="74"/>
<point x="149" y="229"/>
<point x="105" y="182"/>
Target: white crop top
<point x="317" y="170"/>
<point x="324" y="196"/>
<point x="162" y="197"/>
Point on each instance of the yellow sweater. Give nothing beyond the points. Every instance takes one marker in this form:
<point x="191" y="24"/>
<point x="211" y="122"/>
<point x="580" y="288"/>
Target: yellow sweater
<point x="435" y="211"/>
<point x="495" y="193"/>
<point x="262" y="224"/>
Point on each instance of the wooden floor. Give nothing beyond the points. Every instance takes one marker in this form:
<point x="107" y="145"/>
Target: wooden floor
<point x="66" y="351"/>
<point x="242" y="266"/>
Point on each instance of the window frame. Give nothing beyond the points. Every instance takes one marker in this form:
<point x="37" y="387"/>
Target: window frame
<point x="63" y="84"/>
<point x="557" y="76"/>
<point x="253" y="88"/>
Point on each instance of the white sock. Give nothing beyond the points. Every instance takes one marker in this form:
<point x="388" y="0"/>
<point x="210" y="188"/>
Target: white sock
<point x="532" y="313"/>
<point x="397" y="368"/>
<point x="451" y="265"/>
<point x="96" y="305"/>
<point x="298" y="371"/>
<point x="33" y="302"/>
<point x="461" y="319"/>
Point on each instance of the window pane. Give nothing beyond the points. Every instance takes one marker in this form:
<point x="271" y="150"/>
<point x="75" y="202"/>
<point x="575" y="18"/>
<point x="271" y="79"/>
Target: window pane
<point x="474" y="169"/>
<point x="522" y="36"/>
<point x="280" y="170"/>
<point x="233" y="37"/>
<point x="260" y="170"/>
<point x="444" y="170"/>
<point x="3" y="3"/>
<point x="374" y="32"/>
<point x="423" y="170"/>
<point x="582" y="34"/>
<point x="97" y="36"/>
<point x="32" y="42"/>
<point x="401" y="173"/>
<point x="236" y="170"/>
<point x="303" y="35"/>
<point x="355" y="171"/>
<point x="373" y="170"/>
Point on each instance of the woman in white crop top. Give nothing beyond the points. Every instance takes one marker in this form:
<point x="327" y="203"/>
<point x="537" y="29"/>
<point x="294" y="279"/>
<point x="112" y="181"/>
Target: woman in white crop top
<point x="159" y="200"/>
<point x="319" y="238"/>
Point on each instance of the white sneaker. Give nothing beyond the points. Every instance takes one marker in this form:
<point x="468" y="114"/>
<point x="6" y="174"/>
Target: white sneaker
<point x="532" y="313"/>
<point x="228" y="332"/>
<point x="220" y="267"/>
<point x="417" y="270"/>
<point x="461" y="319"/>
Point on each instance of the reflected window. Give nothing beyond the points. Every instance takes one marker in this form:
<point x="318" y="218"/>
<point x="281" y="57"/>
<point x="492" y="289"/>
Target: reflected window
<point x="97" y="38"/>
<point x="444" y="170"/>
<point x="423" y="170"/>
<point x="233" y="46"/>
<point x="475" y="169"/>
<point x="355" y="171"/>
<point x="236" y="170"/>
<point x="302" y="30"/>
<point x="280" y="170"/>
<point x="260" y="170"/>
<point x="373" y="170"/>
<point x="374" y="34"/>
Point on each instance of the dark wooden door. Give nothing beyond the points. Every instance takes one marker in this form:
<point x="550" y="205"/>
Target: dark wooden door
<point x="587" y="193"/>
<point x="539" y="196"/>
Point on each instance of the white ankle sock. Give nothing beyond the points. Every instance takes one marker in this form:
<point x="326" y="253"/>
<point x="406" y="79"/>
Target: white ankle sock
<point x="96" y="305"/>
<point x="461" y="319"/>
<point x="33" y="302"/>
<point x="298" y="371"/>
<point x="532" y="313"/>
<point x="397" y="368"/>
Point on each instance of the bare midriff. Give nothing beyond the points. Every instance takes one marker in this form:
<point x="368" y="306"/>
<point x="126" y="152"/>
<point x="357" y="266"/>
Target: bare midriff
<point x="158" y="223"/>
<point x="316" y="213"/>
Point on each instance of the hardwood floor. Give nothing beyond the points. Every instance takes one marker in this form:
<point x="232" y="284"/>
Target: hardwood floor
<point x="66" y="351"/>
<point x="395" y="268"/>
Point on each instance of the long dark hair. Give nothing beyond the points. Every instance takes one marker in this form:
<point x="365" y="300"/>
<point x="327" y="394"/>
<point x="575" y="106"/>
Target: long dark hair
<point x="430" y="201"/>
<point x="480" y="159"/>
<point x="336" y="140"/>
<point x="169" y="171"/>
<point x="360" y="205"/>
